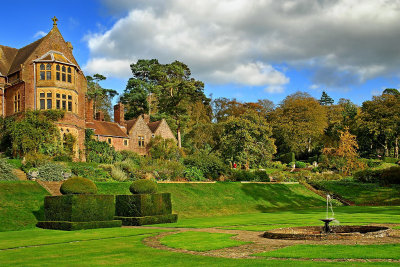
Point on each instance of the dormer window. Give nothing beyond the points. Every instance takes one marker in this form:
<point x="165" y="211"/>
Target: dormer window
<point x="58" y="75"/>
<point x="42" y="72"/>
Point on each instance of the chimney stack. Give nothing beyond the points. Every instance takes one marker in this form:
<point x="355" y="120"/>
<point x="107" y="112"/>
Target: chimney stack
<point x="100" y="116"/>
<point x="146" y="118"/>
<point x="89" y="110"/>
<point x="119" y="113"/>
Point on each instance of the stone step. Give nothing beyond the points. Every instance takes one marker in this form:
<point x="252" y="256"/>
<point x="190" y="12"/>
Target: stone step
<point x="20" y="174"/>
<point x="52" y="187"/>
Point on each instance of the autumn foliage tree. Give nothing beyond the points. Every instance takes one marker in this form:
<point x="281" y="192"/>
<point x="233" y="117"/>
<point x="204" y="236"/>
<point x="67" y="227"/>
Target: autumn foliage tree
<point x="345" y="157"/>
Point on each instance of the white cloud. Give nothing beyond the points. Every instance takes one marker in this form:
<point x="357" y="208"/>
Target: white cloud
<point x="118" y="68"/>
<point x="39" y="34"/>
<point x="342" y="42"/>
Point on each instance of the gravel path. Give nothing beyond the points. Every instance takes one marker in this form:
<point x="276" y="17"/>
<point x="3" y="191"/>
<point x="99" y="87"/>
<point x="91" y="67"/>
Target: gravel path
<point x="260" y="244"/>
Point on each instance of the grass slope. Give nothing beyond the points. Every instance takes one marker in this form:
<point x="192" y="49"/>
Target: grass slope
<point x="126" y="251"/>
<point x="200" y="241"/>
<point x="199" y="200"/>
<point x="364" y="193"/>
<point x="21" y="203"/>
<point x="387" y="251"/>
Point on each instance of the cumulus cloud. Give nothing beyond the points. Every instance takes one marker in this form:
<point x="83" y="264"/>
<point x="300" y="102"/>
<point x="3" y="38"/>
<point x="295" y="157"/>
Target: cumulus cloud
<point x="342" y="42"/>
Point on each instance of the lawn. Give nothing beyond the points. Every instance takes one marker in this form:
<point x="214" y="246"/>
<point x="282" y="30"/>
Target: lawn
<point x="109" y="249"/>
<point x="387" y="251"/>
<point x="364" y="193"/>
<point x="200" y="241"/>
<point x="205" y="200"/>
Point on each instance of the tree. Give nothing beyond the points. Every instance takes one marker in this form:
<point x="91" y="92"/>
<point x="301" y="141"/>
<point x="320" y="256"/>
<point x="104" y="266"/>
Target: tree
<point x="246" y="139"/>
<point x="379" y="121"/>
<point x="101" y="97"/>
<point x="391" y="91"/>
<point x="165" y="149"/>
<point x="298" y="123"/>
<point x="345" y="157"/>
<point x="326" y="99"/>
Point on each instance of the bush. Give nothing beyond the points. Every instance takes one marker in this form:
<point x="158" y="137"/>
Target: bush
<point x="99" y="152"/>
<point x="287" y="158"/>
<point x="300" y="164"/>
<point x="78" y="185"/>
<point x="313" y="159"/>
<point x="15" y="163"/>
<point x="51" y="171"/>
<point x="275" y="165"/>
<point x="168" y="170"/>
<point x="250" y="176"/>
<point x="64" y="158"/>
<point x="89" y="171"/>
<point x="133" y="156"/>
<point x="128" y="166"/>
<point x="368" y="176"/>
<point x="390" y="176"/>
<point x="143" y="187"/>
<point x="373" y="163"/>
<point x="194" y="174"/>
<point x="390" y="160"/>
<point x="118" y="174"/>
<point x="211" y="165"/>
<point x="6" y="173"/>
<point x="34" y="160"/>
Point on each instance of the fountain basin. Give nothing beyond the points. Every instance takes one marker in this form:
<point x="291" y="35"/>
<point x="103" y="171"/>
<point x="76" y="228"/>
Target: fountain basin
<point x="349" y="232"/>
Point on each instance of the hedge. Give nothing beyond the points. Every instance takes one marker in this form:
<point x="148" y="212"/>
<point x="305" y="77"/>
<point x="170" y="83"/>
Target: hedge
<point x="71" y="226"/>
<point x="140" y="205"/>
<point x="385" y="176"/>
<point x="143" y="186"/>
<point x="79" y="208"/>
<point x="254" y="176"/>
<point x="287" y="158"/>
<point x="167" y="218"/>
<point x="78" y="185"/>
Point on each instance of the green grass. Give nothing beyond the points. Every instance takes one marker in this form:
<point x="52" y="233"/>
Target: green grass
<point x="205" y="200"/>
<point x="200" y="241"/>
<point x="364" y="193"/>
<point x="21" y="203"/>
<point x="300" y="217"/>
<point x="387" y="251"/>
<point x="120" y="250"/>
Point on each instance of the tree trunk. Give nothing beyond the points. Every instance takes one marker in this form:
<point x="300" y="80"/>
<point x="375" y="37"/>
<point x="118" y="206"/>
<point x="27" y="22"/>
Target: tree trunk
<point x="178" y="134"/>
<point x="309" y="145"/>
<point x="396" y="148"/>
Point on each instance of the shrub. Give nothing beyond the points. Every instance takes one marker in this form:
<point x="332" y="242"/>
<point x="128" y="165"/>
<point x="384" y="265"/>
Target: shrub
<point x="368" y="176"/>
<point x="6" y="173"/>
<point x="78" y="185"/>
<point x="168" y="170"/>
<point x="89" y="171"/>
<point x="275" y="165"/>
<point x="64" y="158"/>
<point x="390" y="160"/>
<point x="128" y="166"/>
<point x="15" y="163"/>
<point x="313" y="159"/>
<point x="194" y="174"/>
<point x="300" y="164"/>
<point x="211" y="165"/>
<point x="287" y="158"/>
<point x="391" y="176"/>
<point x="250" y="176"/>
<point x="51" y="171"/>
<point x="143" y="187"/>
<point x="139" y="205"/>
<point x="134" y="157"/>
<point x="373" y="163"/>
<point x="99" y="152"/>
<point x="118" y="174"/>
<point x="35" y="159"/>
<point x="261" y="176"/>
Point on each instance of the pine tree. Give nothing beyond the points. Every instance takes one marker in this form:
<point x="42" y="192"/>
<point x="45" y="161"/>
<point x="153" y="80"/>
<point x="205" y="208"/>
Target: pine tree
<point x="326" y="99"/>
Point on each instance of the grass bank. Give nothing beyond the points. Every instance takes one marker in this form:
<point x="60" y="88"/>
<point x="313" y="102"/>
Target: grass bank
<point x="205" y="200"/>
<point x="364" y="193"/>
<point x="20" y="204"/>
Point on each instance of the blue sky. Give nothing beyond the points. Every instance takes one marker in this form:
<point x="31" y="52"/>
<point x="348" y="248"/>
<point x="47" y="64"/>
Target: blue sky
<point x="259" y="49"/>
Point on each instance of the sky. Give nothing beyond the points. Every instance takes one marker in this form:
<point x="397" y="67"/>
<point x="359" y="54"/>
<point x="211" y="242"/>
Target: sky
<point x="243" y="49"/>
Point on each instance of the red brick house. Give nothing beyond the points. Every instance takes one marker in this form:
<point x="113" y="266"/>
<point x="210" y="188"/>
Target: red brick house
<point x="45" y="75"/>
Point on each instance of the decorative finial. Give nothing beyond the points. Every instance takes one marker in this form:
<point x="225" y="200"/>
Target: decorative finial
<point x="54" y="21"/>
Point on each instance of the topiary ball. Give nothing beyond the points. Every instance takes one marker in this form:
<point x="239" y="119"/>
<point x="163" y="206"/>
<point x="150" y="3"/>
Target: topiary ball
<point x="143" y="186"/>
<point x="77" y="186"/>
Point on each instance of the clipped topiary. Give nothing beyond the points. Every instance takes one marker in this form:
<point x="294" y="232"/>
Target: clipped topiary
<point x="78" y="186"/>
<point x="143" y="186"/>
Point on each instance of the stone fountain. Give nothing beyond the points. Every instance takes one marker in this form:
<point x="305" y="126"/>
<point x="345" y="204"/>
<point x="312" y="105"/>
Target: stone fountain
<point x="352" y="232"/>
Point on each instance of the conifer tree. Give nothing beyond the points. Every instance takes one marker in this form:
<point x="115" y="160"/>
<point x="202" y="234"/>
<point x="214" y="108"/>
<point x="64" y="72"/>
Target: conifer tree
<point x="326" y="99"/>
